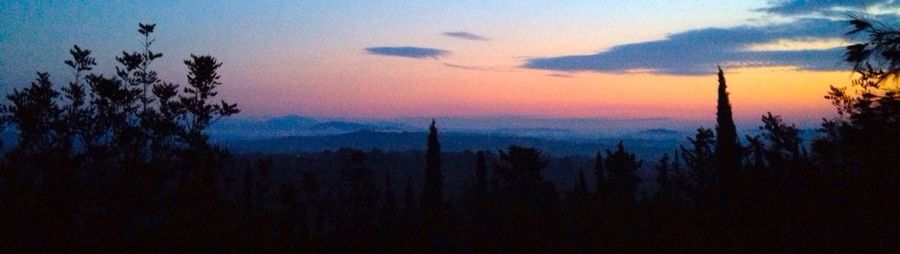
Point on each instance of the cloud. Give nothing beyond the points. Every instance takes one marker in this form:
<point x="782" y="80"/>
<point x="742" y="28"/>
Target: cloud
<point x="560" y="75"/>
<point x="801" y="7"/>
<point x="697" y="52"/>
<point x="411" y="52"/>
<point x="479" y="68"/>
<point x="466" y="36"/>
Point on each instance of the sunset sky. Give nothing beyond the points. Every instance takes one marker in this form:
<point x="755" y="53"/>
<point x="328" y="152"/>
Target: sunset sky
<point x="380" y="59"/>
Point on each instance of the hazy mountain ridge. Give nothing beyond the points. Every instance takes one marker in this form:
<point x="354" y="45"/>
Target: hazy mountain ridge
<point x="450" y="141"/>
<point x="553" y="128"/>
<point x="649" y="138"/>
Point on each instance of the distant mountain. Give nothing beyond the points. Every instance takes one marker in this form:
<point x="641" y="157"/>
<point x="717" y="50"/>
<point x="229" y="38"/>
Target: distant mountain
<point x="343" y="127"/>
<point x="242" y="129"/>
<point x="658" y="134"/>
<point x="549" y="128"/>
<point x="287" y="122"/>
<point x="564" y="130"/>
<point x="450" y="141"/>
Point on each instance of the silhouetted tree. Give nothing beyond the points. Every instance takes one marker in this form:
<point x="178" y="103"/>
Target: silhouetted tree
<point x="578" y="196"/>
<point x="432" y="190"/>
<point x="105" y="153"/>
<point x="528" y="202"/>
<point x="698" y="159"/>
<point x="878" y="50"/>
<point x="600" y="178"/>
<point x="664" y="178"/>
<point x="481" y="181"/>
<point x="728" y="148"/>
<point x="784" y="140"/>
<point x="355" y="219"/>
<point x="623" y="178"/>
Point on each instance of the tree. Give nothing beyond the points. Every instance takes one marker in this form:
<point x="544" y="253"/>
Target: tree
<point x="623" y="178"/>
<point x="698" y="158"/>
<point x="879" y="50"/>
<point x="600" y="175"/>
<point x="578" y="196"/>
<point x="664" y="178"/>
<point x="529" y="204"/>
<point x="481" y="181"/>
<point x="432" y="191"/>
<point x="477" y="189"/>
<point x="357" y="194"/>
<point x="112" y="151"/>
<point x="784" y="139"/>
<point x="389" y="204"/>
<point x="728" y="148"/>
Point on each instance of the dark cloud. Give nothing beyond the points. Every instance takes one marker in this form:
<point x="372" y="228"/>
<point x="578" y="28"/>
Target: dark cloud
<point x="699" y="51"/>
<point x="411" y="52"/>
<point x="800" y="7"/>
<point x="466" y="36"/>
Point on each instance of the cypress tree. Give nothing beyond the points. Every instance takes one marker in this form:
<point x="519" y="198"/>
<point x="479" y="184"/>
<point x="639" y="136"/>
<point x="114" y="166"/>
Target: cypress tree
<point x="432" y="191"/>
<point x="728" y="151"/>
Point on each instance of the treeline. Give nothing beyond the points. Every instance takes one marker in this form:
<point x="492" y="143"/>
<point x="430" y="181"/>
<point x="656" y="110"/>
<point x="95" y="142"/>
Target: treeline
<point x="121" y="163"/>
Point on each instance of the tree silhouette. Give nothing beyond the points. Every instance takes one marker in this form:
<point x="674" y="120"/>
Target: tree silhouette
<point x="623" y="178"/>
<point x="698" y="159"/>
<point x="105" y="153"/>
<point x="528" y="202"/>
<point x="728" y="148"/>
<point x="432" y="191"/>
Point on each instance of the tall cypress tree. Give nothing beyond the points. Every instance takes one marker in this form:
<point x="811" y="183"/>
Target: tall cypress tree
<point x="432" y="191"/>
<point x="728" y="150"/>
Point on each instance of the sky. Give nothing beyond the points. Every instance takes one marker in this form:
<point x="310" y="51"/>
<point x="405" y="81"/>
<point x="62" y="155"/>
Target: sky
<point x="386" y="59"/>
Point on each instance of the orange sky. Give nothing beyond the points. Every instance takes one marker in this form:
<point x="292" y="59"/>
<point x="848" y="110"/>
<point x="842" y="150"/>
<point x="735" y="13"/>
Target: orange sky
<point x="392" y="87"/>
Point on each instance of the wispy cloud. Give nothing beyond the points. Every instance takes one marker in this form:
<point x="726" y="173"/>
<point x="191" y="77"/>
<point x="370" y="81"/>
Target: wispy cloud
<point x="802" y="7"/>
<point x="697" y="52"/>
<point x="560" y="75"/>
<point x="411" y="52"/>
<point x="480" y="68"/>
<point x="466" y="36"/>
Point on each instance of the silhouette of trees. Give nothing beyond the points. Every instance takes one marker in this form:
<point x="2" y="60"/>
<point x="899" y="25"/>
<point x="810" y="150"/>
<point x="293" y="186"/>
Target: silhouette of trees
<point x="121" y="162"/>
<point x="101" y="151"/>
